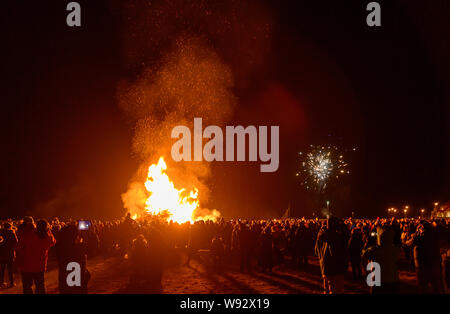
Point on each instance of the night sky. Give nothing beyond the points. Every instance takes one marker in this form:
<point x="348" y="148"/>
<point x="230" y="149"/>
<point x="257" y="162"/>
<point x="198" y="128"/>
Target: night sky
<point x="326" y="78"/>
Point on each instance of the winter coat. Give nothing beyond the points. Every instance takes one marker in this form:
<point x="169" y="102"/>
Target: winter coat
<point x="32" y="251"/>
<point x="386" y="253"/>
<point x="8" y="245"/>
<point x="331" y="248"/>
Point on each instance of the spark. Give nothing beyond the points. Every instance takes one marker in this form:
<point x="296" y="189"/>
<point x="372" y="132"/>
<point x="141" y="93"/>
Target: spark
<point x="320" y="165"/>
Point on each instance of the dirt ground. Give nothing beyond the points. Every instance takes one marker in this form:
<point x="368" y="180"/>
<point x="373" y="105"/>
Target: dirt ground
<point x="110" y="275"/>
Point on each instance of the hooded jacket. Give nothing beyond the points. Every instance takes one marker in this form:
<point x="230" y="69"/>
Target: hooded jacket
<point x="386" y="253"/>
<point x="33" y="252"/>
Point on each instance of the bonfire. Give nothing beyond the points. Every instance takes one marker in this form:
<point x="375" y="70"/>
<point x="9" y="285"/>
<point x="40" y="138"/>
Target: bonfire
<point x="165" y="200"/>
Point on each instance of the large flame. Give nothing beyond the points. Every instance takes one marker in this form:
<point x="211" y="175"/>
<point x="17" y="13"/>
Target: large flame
<point x="165" y="199"/>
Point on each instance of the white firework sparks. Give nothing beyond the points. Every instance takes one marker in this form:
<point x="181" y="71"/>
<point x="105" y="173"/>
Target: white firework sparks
<point x="321" y="165"/>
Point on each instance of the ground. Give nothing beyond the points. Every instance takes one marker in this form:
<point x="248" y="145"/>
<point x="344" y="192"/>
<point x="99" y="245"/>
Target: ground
<point x="110" y="275"/>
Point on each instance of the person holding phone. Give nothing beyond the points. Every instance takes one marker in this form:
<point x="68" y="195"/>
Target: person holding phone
<point x="386" y="253"/>
<point x="71" y="250"/>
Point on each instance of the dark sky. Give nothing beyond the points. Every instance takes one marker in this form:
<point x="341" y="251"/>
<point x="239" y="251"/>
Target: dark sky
<point x="328" y="78"/>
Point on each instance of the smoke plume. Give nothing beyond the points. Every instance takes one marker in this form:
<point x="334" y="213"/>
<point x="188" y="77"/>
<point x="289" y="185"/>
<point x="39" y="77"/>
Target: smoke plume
<point x="180" y="55"/>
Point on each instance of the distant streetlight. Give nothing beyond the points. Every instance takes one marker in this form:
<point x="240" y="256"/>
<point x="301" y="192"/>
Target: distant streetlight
<point x="436" y="204"/>
<point x="390" y="211"/>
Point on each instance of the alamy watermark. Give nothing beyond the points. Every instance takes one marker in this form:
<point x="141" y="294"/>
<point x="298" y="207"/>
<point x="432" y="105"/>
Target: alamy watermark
<point x="213" y="150"/>
<point x="74" y="16"/>
<point x="73" y="279"/>
<point x="374" y="277"/>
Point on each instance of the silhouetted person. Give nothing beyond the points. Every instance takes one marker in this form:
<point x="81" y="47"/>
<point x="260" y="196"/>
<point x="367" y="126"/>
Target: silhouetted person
<point x="70" y="250"/>
<point x="194" y="242"/>
<point x="217" y="252"/>
<point x="331" y="248"/>
<point x="302" y="244"/>
<point x="33" y="249"/>
<point x="355" y="246"/>
<point x="7" y="253"/>
<point x="427" y="258"/>
<point x="266" y="250"/>
<point x="139" y="259"/>
<point x="245" y="248"/>
<point x="92" y="243"/>
<point x="386" y="253"/>
<point x="127" y="233"/>
<point x="26" y="227"/>
<point x="146" y="264"/>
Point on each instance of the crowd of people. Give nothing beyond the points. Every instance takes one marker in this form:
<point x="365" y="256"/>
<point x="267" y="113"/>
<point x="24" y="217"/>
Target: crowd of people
<point x="251" y="245"/>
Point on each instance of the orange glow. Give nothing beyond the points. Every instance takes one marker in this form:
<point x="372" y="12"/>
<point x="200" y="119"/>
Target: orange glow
<point x="158" y="196"/>
<point x="165" y="199"/>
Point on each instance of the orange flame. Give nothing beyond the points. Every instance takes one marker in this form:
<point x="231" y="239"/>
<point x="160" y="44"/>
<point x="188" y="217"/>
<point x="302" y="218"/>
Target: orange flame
<point x="165" y="199"/>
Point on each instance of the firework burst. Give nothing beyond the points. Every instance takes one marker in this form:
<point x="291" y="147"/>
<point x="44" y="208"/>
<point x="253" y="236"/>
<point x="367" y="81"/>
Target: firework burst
<point x="320" y="166"/>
